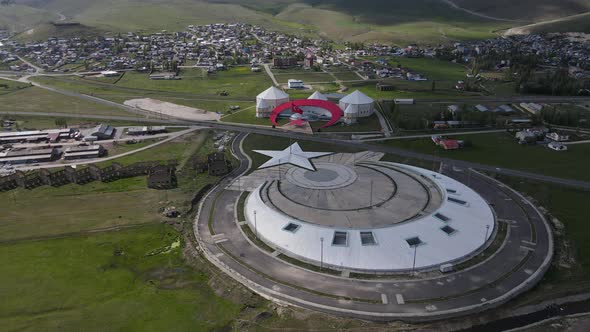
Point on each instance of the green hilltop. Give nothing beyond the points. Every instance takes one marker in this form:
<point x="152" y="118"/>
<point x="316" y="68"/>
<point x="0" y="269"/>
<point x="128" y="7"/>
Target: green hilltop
<point x="397" y="21"/>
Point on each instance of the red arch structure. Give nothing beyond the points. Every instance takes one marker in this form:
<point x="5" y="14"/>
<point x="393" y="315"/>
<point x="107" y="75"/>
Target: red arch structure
<point x="331" y="107"/>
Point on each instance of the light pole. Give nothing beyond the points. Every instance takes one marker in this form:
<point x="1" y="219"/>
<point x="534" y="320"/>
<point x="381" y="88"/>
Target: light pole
<point x="486" y="237"/>
<point x="414" y="262"/>
<point x="255" y="226"/>
<point x="321" y="253"/>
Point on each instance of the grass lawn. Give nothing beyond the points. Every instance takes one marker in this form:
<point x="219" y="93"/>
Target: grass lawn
<point x="405" y="89"/>
<point x="197" y="92"/>
<point x="502" y="150"/>
<point x="49" y="211"/>
<point x="306" y="76"/>
<point x="248" y="116"/>
<point x="433" y="69"/>
<point x="238" y="81"/>
<point x="8" y="87"/>
<point x="35" y="99"/>
<point x="364" y="124"/>
<point x="133" y="280"/>
<point x="347" y="76"/>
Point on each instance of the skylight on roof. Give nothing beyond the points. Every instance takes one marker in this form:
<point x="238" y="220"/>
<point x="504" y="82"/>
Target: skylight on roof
<point x="368" y="239"/>
<point x="340" y="239"/>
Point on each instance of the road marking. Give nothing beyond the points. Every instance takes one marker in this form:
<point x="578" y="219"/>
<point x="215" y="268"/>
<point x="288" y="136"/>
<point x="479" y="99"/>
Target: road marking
<point x="218" y="236"/>
<point x="440" y="283"/>
<point x="507" y="199"/>
<point x="221" y="241"/>
<point x="400" y="299"/>
<point x="275" y="253"/>
<point x="483" y="299"/>
<point x="528" y="271"/>
<point x="527" y="248"/>
<point x="529" y="243"/>
<point x="219" y="255"/>
<point x="384" y="299"/>
<point x="430" y="307"/>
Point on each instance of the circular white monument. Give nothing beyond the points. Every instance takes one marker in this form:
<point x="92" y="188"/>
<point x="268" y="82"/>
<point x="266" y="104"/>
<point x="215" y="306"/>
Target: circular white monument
<point x="351" y="212"/>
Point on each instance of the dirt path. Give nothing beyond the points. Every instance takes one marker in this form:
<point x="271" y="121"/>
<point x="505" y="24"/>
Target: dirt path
<point x="474" y="13"/>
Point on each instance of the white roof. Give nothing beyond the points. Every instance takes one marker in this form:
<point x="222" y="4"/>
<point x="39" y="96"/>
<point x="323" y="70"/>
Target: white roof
<point x="357" y="98"/>
<point x="261" y="103"/>
<point x="272" y="93"/>
<point x="472" y="224"/>
<point x="349" y="110"/>
<point x="317" y="95"/>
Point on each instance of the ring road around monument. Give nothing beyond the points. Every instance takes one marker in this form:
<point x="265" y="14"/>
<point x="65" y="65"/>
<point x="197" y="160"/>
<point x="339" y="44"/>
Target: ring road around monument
<point x="384" y="228"/>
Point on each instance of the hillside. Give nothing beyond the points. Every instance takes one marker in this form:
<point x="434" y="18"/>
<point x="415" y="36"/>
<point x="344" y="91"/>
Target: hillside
<point x="575" y="23"/>
<point x="21" y="18"/>
<point x="534" y="10"/>
<point x="398" y="21"/>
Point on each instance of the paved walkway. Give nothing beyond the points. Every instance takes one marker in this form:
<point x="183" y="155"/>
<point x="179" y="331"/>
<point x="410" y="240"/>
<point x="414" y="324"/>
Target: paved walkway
<point x="517" y="266"/>
<point x="270" y="74"/>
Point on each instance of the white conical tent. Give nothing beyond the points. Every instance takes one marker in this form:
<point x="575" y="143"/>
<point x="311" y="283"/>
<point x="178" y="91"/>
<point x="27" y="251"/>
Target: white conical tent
<point x="317" y="96"/>
<point x="357" y="98"/>
<point x="350" y="110"/>
<point x="361" y="104"/>
<point x="267" y="100"/>
<point x="272" y="93"/>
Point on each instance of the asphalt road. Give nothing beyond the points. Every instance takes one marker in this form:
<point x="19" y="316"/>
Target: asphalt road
<point x="515" y="265"/>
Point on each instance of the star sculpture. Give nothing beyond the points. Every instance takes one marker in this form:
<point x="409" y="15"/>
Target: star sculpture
<point x="291" y="155"/>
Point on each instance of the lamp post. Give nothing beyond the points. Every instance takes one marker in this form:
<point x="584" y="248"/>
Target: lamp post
<point x="414" y="263"/>
<point x="321" y="253"/>
<point x="255" y="226"/>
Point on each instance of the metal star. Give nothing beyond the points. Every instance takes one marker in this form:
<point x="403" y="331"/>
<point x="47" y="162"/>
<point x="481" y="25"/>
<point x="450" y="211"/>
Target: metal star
<point x="291" y="155"/>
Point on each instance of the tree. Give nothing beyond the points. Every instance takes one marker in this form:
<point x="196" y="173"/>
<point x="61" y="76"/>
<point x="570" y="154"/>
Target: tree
<point x="433" y="85"/>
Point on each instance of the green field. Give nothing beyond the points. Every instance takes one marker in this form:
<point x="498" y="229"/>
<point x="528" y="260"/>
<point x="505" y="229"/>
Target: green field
<point x="502" y="150"/>
<point x="34" y="99"/>
<point x="238" y="81"/>
<point x="133" y="280"/>
<point x="193" y="90"/>
<point x="7" y="87"/>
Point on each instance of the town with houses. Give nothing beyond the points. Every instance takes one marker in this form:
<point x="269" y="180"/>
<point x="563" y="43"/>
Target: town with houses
<point x="216" y="46"/>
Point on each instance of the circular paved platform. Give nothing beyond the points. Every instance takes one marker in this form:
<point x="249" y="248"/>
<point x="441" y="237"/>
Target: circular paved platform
<point x="326" y="176"/>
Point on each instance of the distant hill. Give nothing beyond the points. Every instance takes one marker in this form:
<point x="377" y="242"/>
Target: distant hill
<point x="398" y="21"/>
<point x="534" y="10"/>
<point x="574" y="23"/>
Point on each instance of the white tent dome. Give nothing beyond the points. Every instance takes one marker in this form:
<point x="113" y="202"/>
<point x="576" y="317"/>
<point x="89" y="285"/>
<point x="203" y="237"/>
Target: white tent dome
<point x="357" y="98"/>
<point x="272" y="93"/>
<point x="318" y="96"/>
<point x="357" y="103"/>
<point x="268" y="100"/>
